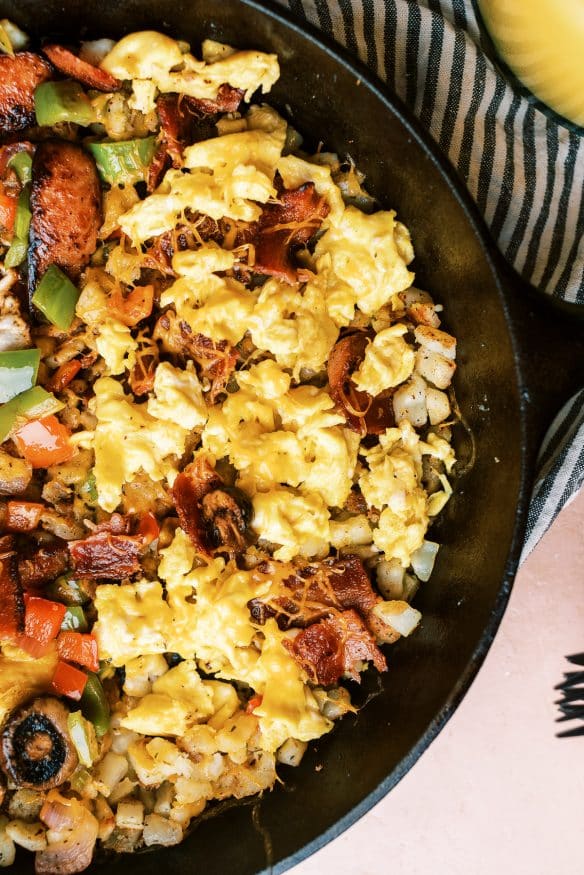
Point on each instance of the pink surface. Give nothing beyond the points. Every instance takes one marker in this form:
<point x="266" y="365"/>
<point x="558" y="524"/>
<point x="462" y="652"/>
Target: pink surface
<point x="496" y="792"/>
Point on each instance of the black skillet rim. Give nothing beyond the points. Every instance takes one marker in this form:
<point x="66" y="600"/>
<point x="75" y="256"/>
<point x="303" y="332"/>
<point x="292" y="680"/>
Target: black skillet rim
<point x="393" y="102"/>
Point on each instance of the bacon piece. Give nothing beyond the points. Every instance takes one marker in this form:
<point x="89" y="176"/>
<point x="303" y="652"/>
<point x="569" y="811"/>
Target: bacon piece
<point x="104" y="554"/>
<point x="189" y="488"/>
<point x="11" y="594"/>
<point x="65" y="203"/>
<point x="69" y="64"/>
<point x="364" y="414"/>
<point x="316" y="591"/>
<point x="43" y="564"/>
<point x="216" y="360"/>
<point x="141" y="377"/>
<point x="23" y="516"/>
<point x="284" y="226"/>
<point x="335" y="646"/>
<point x="172" y="139"/>
<point x="227" y="100"/>
<point x="20" y="74"/>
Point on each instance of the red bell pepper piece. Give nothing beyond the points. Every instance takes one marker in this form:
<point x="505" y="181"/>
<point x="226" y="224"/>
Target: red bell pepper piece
<point x="79" y="648"/>
<point x="149" y="528"/>
<point x="23" y="516"/>
<point x="42" y="619"/>
<point x="254" y="703"/>
<point x="44" y="442"/>
<point x="69" y="681"/>
<point x="7" y="212"/>
<point x="64" y="374"/>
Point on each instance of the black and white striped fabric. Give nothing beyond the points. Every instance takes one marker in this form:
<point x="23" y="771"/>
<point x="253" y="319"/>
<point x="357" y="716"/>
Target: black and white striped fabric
<point x="523" y="165"/>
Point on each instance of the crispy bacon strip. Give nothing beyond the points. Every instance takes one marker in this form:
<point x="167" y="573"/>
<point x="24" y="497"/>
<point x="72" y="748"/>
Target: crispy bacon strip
<point x="317" y="590"/>
<point x="108" y="555"/>
<point x="334" y="647"/>
<point x="227" y="100"/>
<point x="69" y="64"/>
<point x="43" y="564"/>
<point x="66" y="209"/>
<point x="11" y="594"/>
<point x="189" y="488"/>
<point x="285" y="225"/>
<point x="364" y="414"/>
<point x="20" y="74"/>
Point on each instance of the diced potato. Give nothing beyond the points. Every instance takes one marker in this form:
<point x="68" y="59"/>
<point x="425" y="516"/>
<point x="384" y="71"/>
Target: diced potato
<point x="110" y="771"/>
<point x="390" y="577"/>
<point x="164" y="798"/>
<point x="159" y="830"/>
<point x="436" y="341"/>
<point x="7" y="847"/>
<point x="183" y="814"/>
<point x="435" y="368"/>
<point x="130" y="814"/>
<point x="121" y="790"/>
<point x="31" y="836"/>
<point x="438" y="405"/>
<point x="291" y="752"/>
<point x="105" y="817"/>
<point x="142" y="672"/>
<point x="25" y="805"/>
<point x="409" y="402"/>
<point x="354" y="531"/>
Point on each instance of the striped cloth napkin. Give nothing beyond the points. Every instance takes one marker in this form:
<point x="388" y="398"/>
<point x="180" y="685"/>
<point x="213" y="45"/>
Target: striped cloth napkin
<point x="523" y="165"/>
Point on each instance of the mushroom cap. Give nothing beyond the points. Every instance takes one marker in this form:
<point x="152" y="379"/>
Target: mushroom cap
<point x="36" y="750"/>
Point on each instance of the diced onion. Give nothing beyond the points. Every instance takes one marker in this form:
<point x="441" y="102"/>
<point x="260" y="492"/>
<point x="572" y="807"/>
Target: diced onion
<point x="94" y="51"/>
<point x="423" y="559"/>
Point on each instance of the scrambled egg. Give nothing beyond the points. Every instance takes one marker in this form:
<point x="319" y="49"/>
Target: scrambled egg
<point x="113" y="339"/>
<point x="310" y="443"/>
<point x="229" y="176"/>
<point x="388" y="361"/>
<point x="298" y="523"/>
<point x="160" y="60"/>
<point x="178" y="396"/>
<point x="392" y="485"/>
<point x="218" y="307"/>
<point x="364" y="260"/>
<point x="128" y="439"/>
<point x="135" y="620"/>
<point x="293" y="325"/>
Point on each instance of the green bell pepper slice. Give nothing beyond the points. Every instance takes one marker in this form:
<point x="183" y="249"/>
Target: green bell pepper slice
<point x="70" y="591"/>
<point x="125" y="161"/>
<point x="19" y="246"/>
<point x="21" y="163"/>
<point x="56" y="297"/>
<point x="94" y="704"/>
<point x="35" y="403"/>
<point x="18" y="372"/>
<point x="74" y="620"/>
<point x="66" y="101"/>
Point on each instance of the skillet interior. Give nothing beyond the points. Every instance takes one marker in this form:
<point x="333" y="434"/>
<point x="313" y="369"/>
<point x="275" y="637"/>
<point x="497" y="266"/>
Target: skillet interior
<point x="480" y="530"/>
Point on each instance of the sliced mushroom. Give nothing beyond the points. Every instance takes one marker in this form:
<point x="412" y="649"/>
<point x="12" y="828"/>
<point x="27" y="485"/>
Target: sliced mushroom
<point x="36" y="750"/>
<point x="227" y="513"/>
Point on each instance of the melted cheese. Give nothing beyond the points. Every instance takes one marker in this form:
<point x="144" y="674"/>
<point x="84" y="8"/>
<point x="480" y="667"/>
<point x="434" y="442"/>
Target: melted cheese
<point x="392" y="485"/>
<point x="388" y="361"/>
<point x="113" y="339"/>
<point x="298" y="523"/>
<point x="136" y="620"/>
<point x="309" y="445"/>
<point x="132" y="620"/>
<point x="295" y="327"/>
<point x="362" y="260"/>
<point x="178" y="699"/>
<point x="128" y="439"/>
<point x="228" y="176"/>
<point x="178" y="396"/>
<point x="151" y="55"/>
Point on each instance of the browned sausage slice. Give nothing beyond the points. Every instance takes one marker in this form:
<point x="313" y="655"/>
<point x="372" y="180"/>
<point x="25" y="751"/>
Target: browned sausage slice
<point x="72" y="66"/>
<point x="19" y="76"/>
<point x="65" y="202"/>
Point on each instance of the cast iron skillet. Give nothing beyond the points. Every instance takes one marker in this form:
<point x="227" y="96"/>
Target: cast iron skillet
<point x="331" y="98"/>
